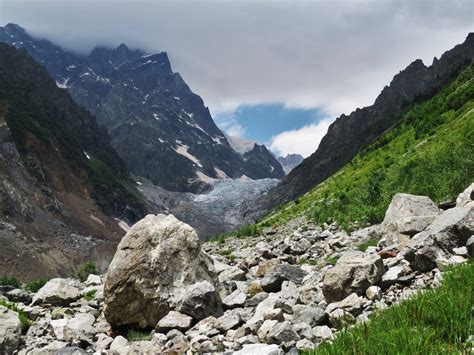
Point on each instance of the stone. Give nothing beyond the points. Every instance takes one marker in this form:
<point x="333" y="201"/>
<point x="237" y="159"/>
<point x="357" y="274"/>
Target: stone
<point x="408" y="214"/>
<point x="119" y="345"/>
<point x="174" y="320"/>
<point x="229" y="320"/>
<point x="391" y="276"/>
<point x="254" y="288"/>
<point x="374" y="293"/>
<point x="102" y="342"/>
<point x="470" y="246"/>
<point x="264" y="307"/>
<point x="282" y="333"/>
<point x="354" y="271"/>
<point x="159" y="265"/>
<point x="282" y="272"/>
<point x="274" y="314"/>
<point x="78" y="327"/>
<point x="288" y="296"/>
<point x="351" y="304"/>
<point x="233" y="273"/>
<point x="18" y="295"/>
<point x="93" y="280"/>
<point x="255" y="300"/>
<point x="10" y="331"/>
<point x="265" y="266"/>
<point x="199" y="301"/>
<point x="461" y="251"/>
<point x="322" y="333"/>
<point x="260" y="349"/>
<point x="309" y="314"/>
<point x="304" y="344"/>
<point x="466" y="196"/>
<point x="58" y="292"/>
<point x="433" y="247"/>
<point x="265" y="328"/>
<point x="340" y="318"/>
<point x="208" y="327"/>
<point x="235" y="299"/>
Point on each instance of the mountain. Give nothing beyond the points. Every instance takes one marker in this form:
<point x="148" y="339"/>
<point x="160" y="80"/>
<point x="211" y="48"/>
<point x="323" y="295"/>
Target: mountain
<point x="290" y="161"/>
<point x="62" y="184"/>
<point x="428" y="151"/>
<point x="350" y="134"/>
<point x="159" y="127"/>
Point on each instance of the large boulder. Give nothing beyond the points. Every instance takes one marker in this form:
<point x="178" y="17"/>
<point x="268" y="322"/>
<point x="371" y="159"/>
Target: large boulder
<point x="434" y="246"/>
<point x="408" y="214"/>
<point x="466" y="196"/>
<point x="10" y="331"/>
<point x="355" y="271"/>
<point x="158" y="267"/>
<point x="58" y="292"/>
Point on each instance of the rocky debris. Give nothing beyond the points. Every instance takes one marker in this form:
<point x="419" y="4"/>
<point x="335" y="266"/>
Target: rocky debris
<point x="57" y="292"/>
<point x="355" y="271"/>
<point x="10" y="331"/>
<point x="159" y="265"/>
<point x="299" y="301"/>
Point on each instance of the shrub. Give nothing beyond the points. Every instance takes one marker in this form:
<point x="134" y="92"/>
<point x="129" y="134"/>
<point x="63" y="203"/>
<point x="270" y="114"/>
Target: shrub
<point x="138" y="335"/>
<point x="371" y="243"/>
<point x="89" y="295"/>
<point x="10" y="281"/>
<point x="85" y="270"/>
<point x="34" y="286"/>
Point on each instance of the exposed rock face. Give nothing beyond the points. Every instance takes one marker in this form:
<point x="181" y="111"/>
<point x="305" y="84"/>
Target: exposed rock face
<point x="159" y="265"/>
<point x="160" y="128"/>
<point x="434" y="247"/>
<point x="408" y="214"/>
<point x="350" y="133"/>
<point x="10" y="331"/>
<point x="355" y="271"/>
<point x="290" y="161"/>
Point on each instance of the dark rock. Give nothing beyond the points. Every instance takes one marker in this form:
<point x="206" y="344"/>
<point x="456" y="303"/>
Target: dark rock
<point x="282" y="272"/>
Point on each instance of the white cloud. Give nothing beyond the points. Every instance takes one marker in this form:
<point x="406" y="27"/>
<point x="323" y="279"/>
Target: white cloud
<point x="236" y="130"/>
<point x="335" y="55"/>
<point x="302" y="141"/>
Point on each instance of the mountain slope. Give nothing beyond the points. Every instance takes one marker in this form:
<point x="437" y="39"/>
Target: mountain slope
<point x="158" y="126"/>
<point x="62" y="182"/>
<point x="290" y="161"/>
<point x="428" y="152"/>
<point x="349" y="134"/>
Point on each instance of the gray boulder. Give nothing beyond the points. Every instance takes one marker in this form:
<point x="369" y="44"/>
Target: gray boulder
<point x="174" y="320"/>
<point x="58" y="292"/>
<point x="10" y="331"/>
<point x="282" y="272"/>
<point x="282" y="333"/>
<point x="434" y="246"/>
<point x="155" y="269"/>
<point x="466" y="196"/>
<point x="355" y="271"/>
<point x="311" y="315"/>
<point x="408" y="214"/>
<point x="78" y="327"/>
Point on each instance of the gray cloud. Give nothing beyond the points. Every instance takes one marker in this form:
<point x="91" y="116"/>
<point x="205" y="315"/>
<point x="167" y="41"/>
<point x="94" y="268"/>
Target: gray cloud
<point x="335" y="55"/>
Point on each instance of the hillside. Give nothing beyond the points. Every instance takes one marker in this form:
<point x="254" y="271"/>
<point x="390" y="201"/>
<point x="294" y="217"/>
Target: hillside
<point x="350" y="134"/>
<point x="428" y="152"/>
<point x="62" y="182"/>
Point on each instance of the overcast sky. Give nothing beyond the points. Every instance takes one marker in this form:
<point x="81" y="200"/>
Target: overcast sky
<point x="320" y="58"/>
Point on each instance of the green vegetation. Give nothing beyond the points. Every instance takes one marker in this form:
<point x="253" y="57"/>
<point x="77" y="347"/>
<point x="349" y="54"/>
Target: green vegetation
<point x="428" y="152"/>
<point x="307" y="261"/>
<point x="250" y="230"/>
<point x="436" y="321"/>
<point x="34" y="286"/>
<point x="138" y="335"/>
<point x="89" y="295"/>
<point x="371" y="243"/>
<point x="25" y="323"/>
<point x="85" y="270"/>
<point x="331" y="260"/>
<point x="10" y="281"/>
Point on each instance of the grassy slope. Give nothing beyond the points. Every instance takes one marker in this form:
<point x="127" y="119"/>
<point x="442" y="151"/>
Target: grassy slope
<point x="432" y="322"/>
<point x="429" y="152"/>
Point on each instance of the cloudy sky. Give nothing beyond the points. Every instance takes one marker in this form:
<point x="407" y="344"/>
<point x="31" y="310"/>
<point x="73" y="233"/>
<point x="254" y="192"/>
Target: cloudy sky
<point x="273" y="71"/>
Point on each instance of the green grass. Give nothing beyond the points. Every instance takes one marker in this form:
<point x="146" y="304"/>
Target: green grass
<point x="435" y="321"/>
<point x="25" y="323"/>
<point x="251" y="230"/>
<point x="331" y="260"/>
<point x="428" y="152"/>
<point x="138" y="335"/>
<point x="89" y="295"/>
<point x="307" y="261"/>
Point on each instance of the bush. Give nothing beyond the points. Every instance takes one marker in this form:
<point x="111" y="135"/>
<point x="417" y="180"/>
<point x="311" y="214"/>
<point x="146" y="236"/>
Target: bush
<point x="89" y="295"/>
<point x="34" y="286"/>
<point x="10" y="281"/>
<point x="138" y="335"/>
<point x="87" y="269"/>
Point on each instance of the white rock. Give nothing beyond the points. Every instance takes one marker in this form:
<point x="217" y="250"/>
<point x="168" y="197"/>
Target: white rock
<point x="10" y="331"/>
<point x="374" y="293"/>
<point x="58" y="292"/>
<point x="174" y="320"/>
<point x="259" y="349"/>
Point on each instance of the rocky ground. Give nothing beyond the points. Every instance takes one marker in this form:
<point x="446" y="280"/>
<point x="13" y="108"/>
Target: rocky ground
<point x="290" y="289"/>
